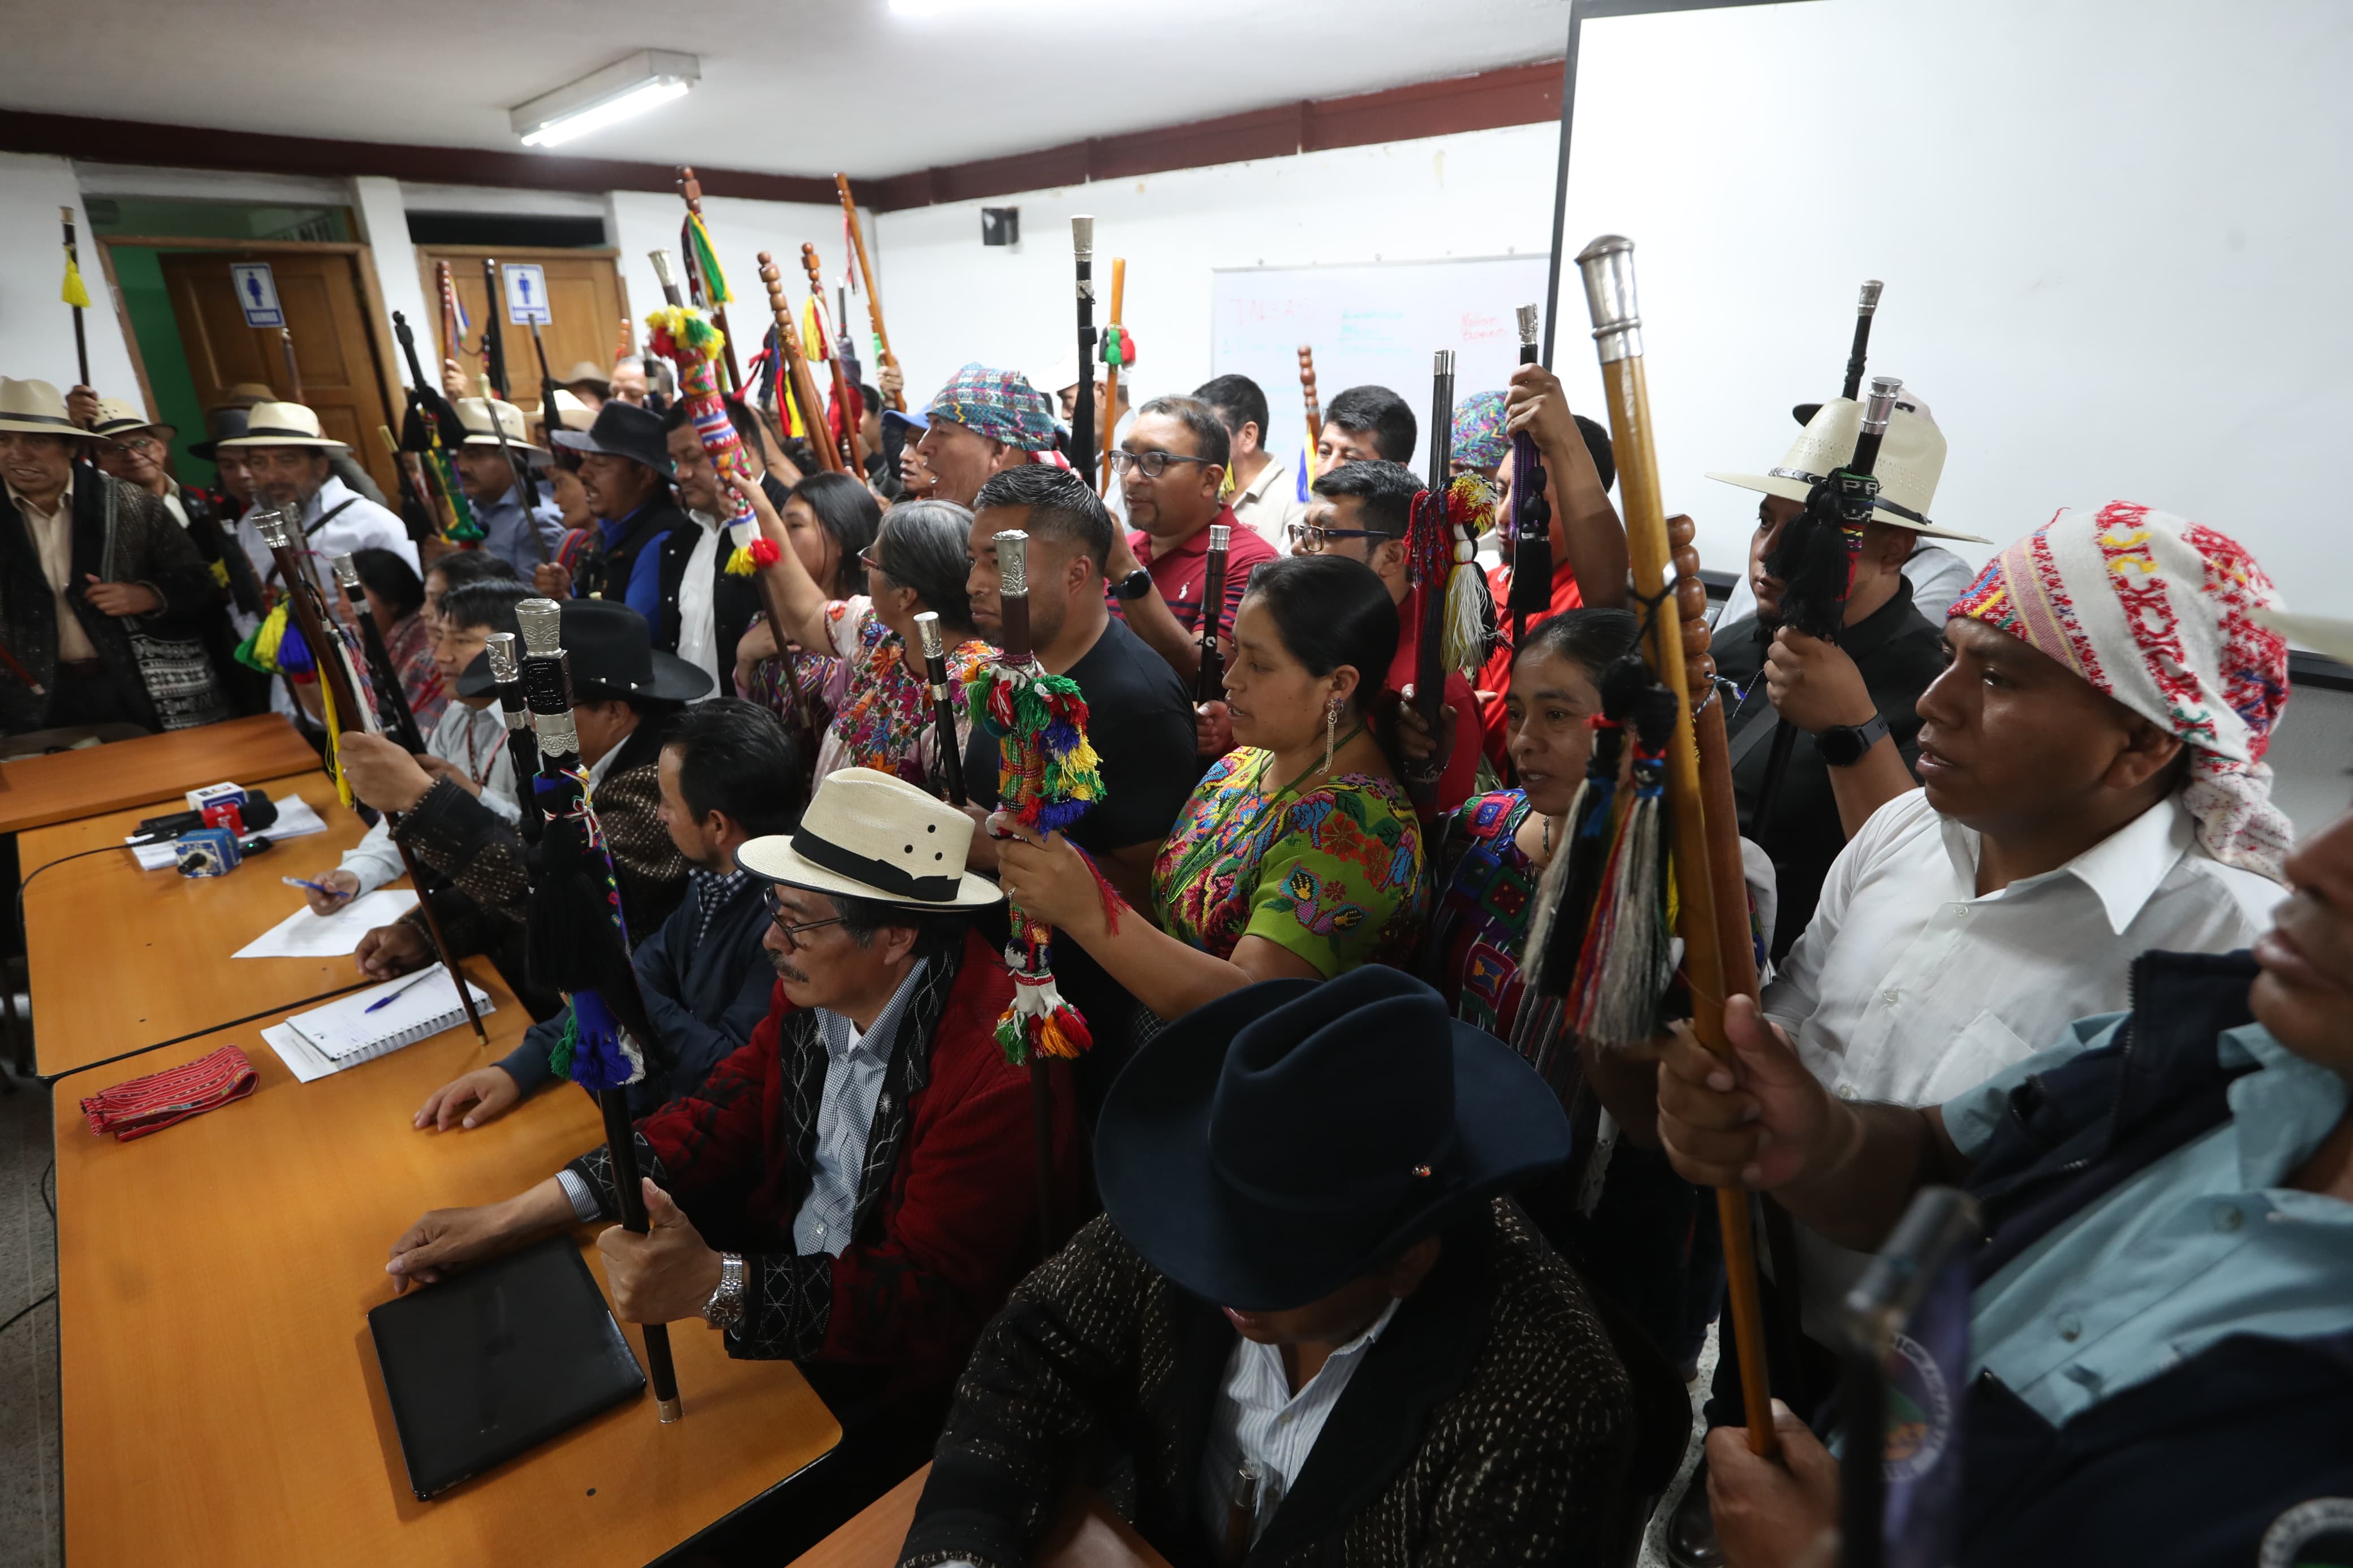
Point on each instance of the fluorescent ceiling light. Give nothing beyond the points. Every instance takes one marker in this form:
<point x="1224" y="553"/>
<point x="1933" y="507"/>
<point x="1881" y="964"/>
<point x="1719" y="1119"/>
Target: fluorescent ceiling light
<point x="623" y="89"/>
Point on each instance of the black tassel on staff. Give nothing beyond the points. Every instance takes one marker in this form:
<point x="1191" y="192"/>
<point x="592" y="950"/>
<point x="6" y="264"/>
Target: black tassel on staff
<point x="1814" y="558"/>
<point x="523" y="746"/>
<point x="1531" y="509"/>
<point x="1082" y="418"/>
<point x="944" y="706"/>
<point x="573" y="946"/>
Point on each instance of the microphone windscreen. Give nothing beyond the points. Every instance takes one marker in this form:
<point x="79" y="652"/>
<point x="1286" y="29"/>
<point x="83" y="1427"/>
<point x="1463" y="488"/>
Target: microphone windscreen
<point x="259" y="810"/>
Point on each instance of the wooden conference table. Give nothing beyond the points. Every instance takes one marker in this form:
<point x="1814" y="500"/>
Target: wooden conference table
<point x="222" y="1403"/>
<point x="122" y="959"/>
<point x="1085" y="1535"/>
<point x="37" y="791"/>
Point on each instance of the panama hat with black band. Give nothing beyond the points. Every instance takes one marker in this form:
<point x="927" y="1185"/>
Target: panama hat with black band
<point x="867" y="835"/>
<point x="117" y="419"/>
<point x="36" y="408"/>
<point x="1910" y="462"/>
<point x="611" y="653"/>
<point x="622" y="430"/>
<point x="1270" y="1147"/>
<point x="282" y="424"/>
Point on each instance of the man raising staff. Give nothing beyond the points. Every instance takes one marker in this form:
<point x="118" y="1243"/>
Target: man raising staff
<point x="495" y="490"/>
<point x="1171" y="467"/>
<point x="983" y="422"/>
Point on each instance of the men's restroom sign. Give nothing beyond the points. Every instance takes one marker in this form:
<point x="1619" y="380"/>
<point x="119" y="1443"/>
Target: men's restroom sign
<point x="527" y="296"/>
<point x="256" y="293"/>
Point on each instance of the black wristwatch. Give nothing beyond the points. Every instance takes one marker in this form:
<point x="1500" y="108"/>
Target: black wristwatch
<point x="1134" y="585"/>
<point x="1843" y="745"/>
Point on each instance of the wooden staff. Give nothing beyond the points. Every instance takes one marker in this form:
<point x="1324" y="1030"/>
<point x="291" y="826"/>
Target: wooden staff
<point x="1607" y="265"/>
<point x="873" y="296"/>
<point x="796" y="370"/>
<point x="1111" y="371"/>
<point x="853" y="449"/>
<point x="944" y="695"/>
<point x="74" y="287"/>
<point x="294" y="370"/>
<point x="1314" y="408"/>
<point x="691" y="189"/>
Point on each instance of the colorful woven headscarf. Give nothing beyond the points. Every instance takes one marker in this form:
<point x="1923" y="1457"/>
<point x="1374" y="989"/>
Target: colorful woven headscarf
<point x="1479" y="439"/>
<point x="998" y="404"/>
<point x="2155" y="611"/>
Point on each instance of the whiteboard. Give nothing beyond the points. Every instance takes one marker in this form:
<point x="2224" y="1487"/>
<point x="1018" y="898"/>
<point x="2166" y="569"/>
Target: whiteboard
<point x="2111" y="233"/>
<point x="1380" y="323"/>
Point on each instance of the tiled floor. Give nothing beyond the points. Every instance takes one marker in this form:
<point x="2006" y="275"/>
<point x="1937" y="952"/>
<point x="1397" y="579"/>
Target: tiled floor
<point x="31" y="1512"/>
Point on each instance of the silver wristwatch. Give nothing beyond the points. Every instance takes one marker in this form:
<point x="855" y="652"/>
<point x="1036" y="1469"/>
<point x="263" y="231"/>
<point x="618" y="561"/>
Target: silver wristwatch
<point x="725" y="1308"/>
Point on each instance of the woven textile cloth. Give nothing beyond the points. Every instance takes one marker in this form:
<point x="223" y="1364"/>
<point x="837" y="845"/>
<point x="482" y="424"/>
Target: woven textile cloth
<point x="1479" y="439"/>
<point x="2153" y="610"/>
<point x="137" y="1106"/>
<point x="998" y="404"/>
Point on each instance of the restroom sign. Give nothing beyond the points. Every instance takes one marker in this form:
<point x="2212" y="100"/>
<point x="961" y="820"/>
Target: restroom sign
<point x="527" y="296"/>
<point x="256" y="293"/>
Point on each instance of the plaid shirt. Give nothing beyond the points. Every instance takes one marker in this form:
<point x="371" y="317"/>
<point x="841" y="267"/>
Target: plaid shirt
<point x="711" y="892"/>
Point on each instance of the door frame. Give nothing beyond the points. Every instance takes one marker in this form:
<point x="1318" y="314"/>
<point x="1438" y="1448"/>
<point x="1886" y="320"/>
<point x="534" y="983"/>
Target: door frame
<point x="381" y="346"/>
<point x="431" y="284"/>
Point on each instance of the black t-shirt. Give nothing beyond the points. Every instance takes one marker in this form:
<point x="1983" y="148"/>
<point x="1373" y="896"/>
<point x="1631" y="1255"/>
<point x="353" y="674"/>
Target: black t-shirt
<point x="1141" y="722"/>
<point x="1899" y="654"/>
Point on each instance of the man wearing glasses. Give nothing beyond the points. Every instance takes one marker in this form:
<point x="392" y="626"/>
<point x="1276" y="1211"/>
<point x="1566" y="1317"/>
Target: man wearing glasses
<point x="1171" y="468"/>
<point x="856" y="1187"/>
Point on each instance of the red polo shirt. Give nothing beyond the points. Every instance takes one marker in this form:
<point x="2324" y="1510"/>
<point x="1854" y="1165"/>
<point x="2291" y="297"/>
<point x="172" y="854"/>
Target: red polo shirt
<point x="1496" y="680"/>
<point x="1179" y="572"/>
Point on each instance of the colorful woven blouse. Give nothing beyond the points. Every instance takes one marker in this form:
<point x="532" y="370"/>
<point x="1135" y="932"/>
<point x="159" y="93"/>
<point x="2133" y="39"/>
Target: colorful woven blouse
<point x="811" y="675"/>
<point x="882" y="709"/>
<point x="410" y="646"/>
<point x="1333" y="875"/>
<point x="1486" y="887"/>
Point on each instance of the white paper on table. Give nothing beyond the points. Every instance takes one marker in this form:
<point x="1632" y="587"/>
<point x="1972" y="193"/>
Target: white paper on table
<point x="307" y="1064"/>
<point x="305" y="935"/>
<point x="295" y="820"/>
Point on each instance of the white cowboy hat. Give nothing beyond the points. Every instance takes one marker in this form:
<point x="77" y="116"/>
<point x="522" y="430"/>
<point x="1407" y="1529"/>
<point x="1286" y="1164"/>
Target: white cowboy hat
<point x="1911" y="460"/>
<point x="35" y="408"/>
<point x="867" y="835"/>
<point x="283" y="425"/>
<point x="571" y="413"/>
<point x="116" y="417"/>
<point x="471" y="415"/>
<point x="2321" y="634"/>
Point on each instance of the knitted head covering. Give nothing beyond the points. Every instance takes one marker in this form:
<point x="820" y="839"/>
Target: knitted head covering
<point x="998" y="404"/>
<point x="2156" y="612"/>
<point x="1479" y="439"/>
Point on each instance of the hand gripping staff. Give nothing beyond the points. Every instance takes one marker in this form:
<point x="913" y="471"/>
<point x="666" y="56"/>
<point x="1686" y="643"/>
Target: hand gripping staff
<point x="577" y="942"/>
<point x="943" y="705"/>
<point x="1711" y="964"/>
<point x="1047" y="776"/>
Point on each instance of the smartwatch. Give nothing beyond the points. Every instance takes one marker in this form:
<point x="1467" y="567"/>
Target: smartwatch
<point x="1134" y="585"/>
<point x="1843" y="745"/>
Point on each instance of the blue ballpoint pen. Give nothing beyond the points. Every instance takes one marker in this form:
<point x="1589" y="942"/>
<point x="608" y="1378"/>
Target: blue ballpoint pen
<point x="314" y="886"/>
<point x="388" y="997"/>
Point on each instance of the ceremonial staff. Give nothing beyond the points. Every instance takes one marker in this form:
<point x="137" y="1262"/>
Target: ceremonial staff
<point x="1314" y="409"/>
<point x="494" y="377"/>
<point x="575" y="950"/>
<point x="804" y="389"/>
<point x="873" y="296"/>
<point x="495" y="338"/>
<point x="76" y="294"/>
<point x="1210" y="684"/>
<point x="703" y="271"/>
<point x="522" y="746"/>
<point x="329" y="655"/>
<point x="1082" y="415"/>
<point x="853" y="446"/>
<point x="1864" y="308"/>
<point x="416" y="511"/>
<point x="293" y="369"/>
<point x="428" y="410"/>
<point x="1115" y="354"/>
<point x="453" y="315"/>
<point x="526" y="482"/>
<point x="1709" y="966"/>
<point x="1531" y="511"/>
<point x="665" y="275"/>
<point x="1430" y="649"/>
<point x="944" y="725"/>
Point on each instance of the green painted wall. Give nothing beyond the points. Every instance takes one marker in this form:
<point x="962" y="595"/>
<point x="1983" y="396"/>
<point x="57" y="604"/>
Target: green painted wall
<point x="139" y="275"/>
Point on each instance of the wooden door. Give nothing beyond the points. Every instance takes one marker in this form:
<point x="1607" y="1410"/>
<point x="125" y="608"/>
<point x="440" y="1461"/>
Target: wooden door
<point x="320" y="293"/>
<point x="585" y="305"/>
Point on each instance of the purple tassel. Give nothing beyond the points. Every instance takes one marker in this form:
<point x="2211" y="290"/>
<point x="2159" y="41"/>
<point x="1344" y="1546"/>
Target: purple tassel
<point x="1058" y="816"/>
<point x="1061" y="737"/>
<point x="293" y="653"/>
<point x="599" y="1059"/>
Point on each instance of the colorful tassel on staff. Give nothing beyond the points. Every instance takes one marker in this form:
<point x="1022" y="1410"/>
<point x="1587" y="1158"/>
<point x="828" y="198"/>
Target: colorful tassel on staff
<point x="275" y="647"/>
<point x="464" y="527"/>
<point x="675" y="328"/>
<point x="1627" y="961"/>
<point x="599" y="1054"/>
<point x="706" y="262"/>
<point x="751" y="552"/>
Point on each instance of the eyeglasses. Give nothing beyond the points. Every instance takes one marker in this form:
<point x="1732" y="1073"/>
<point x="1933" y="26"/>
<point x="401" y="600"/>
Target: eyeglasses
<point x="139" y="443"/>
<point x="868" y="559"/>
<point x="781" y="918"/>
<point x="1152" y="464"/>
<point x="1312" y="539"/>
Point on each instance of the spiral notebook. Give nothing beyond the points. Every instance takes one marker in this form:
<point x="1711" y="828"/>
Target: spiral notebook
<point x="344" y="1033"/>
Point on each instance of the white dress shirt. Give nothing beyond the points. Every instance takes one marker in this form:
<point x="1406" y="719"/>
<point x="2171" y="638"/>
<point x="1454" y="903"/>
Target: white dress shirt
<point x="1909" y="986"/>
<point x="698" y="636"/>
<point x="362" y="526"/>
<point x="475" y="741"/>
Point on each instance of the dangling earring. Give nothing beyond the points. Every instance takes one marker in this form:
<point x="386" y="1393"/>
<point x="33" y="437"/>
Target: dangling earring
<point x="1331" y="730"/>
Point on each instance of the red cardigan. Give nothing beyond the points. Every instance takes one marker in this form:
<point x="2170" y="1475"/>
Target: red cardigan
<point x="954" y="1227"/>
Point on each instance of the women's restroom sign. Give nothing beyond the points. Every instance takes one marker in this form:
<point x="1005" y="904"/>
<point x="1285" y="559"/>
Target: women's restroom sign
<point x="256" y="293"/>
<point x="527" y="295"/>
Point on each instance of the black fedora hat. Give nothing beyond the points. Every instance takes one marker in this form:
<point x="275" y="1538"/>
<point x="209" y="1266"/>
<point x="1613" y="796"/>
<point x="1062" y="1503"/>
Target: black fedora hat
<point x="622" y="430"/>
<point x="220" y="424"/>
<point x="1265" y="1150"/>
<point x="609" y="648"/>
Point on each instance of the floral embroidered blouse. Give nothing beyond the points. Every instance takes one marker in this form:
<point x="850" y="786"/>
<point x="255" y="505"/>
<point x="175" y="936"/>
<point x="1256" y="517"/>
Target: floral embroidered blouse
<point x="1333" y="874"/>
<point x="881" y="709"/>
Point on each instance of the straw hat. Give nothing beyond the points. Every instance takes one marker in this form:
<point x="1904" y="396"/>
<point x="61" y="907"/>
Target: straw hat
<point x="867" y="835"/>
<point x="571" y="413"/>
<point x="283" y="425"/>
<point x="472" y="414"/>
<point x="1911" y="460"/>
<point x="116" y="417"/>
<point x="36" y="408"/>
<point x="591" y="374"/>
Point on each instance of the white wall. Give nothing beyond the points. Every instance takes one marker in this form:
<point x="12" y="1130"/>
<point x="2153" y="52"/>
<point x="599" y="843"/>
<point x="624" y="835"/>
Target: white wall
<point x="380" y="206"/>
<point x="37" y="341"/>
<point x="952" y="299"/>
<point x="643" y="221"/>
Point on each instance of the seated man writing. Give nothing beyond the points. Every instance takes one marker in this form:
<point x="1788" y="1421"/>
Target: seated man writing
<point x="2162" y="1326"/>
<point x="853" y="1188"/>
<point x="1308" y="1313"/>
<point x="728" y="775"/>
